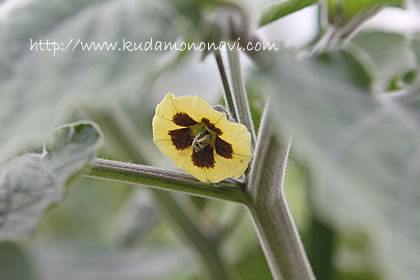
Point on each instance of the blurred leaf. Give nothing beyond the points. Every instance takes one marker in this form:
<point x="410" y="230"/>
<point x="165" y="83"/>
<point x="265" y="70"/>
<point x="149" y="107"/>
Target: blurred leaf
<point x="44" y="86"/>
<point x="351" y="275"/>
<point x="321" y="248"/>
<point x="244" y="248"/>
<point x="26" y="189"/>
<point x="343" y="11"/>
<point x="394" y="57"/>
<point x="343" y="19"/>
<point x="31" y="183"/>
<point x="353" y="258"/>
<point x="138" y="216"/>
<point x="71" y="147"/>
<point x="77" y="221"/>
<point x="192" y="10"/>
<point x="278" y="10"/>
<point x="253" y="265"/>
<point x="349" y="66"/>
<point x="14" y="263"/>
<point x="67" y="262"/>
<point x="256" y="100"/>
<point x="415" y="45"/>
<point x="364" y="155"/>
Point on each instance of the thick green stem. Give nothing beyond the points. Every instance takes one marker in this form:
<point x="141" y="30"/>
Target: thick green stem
<point x="228" y="190"/>
<point x="269" y="211"/>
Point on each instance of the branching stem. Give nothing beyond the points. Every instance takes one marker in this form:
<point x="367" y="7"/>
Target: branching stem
<point x="269" y="211"/>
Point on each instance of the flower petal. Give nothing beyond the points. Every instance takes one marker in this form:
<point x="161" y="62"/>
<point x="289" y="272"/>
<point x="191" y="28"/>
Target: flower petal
<point x="166" y="109"/>
<point x="238" y="136"/>
<point x="167" y="148"/>
<point x="197" y="108"/>
<point x="234" y="167"/>
<point x="161" y="127"/>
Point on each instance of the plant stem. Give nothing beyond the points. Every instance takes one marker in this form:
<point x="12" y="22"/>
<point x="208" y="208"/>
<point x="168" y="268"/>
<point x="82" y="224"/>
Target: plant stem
<point x="227" y="92"/>
<point x="269" y="211"/>
<point x="228" y="190"/>
<point x="240" y="98"/>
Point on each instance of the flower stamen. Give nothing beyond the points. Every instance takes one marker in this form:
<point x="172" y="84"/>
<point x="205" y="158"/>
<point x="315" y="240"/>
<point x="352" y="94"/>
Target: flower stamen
<point x="201" y="140"/>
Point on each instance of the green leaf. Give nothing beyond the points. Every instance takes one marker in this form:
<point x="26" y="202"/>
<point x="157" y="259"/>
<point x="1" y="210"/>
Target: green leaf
<point x="343" y="11"/>
<point x="343" y="19"/>
<point x="278" y="10"/>
<point x="137" y="217"/>
<point x="392" y="61"/>
<point x="14" y="263"/>
<point x="45" y="86"/>
<point x="71" y="147"/>
<point x="351" y="68"/>
<point x="64" y="262"/>
<point x="31" y="183"/>
<point x="415" y="45"/>
<point x="363" y="152"/>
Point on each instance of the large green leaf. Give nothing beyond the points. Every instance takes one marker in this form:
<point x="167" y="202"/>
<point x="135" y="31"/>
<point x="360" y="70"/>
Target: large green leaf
<point x="390" y="64"/>
<point x="138" y="217"/>
<point x="364" y="154"/>
<point x="64" y="262"/>
<point x="343" y="18"/>
<point x="15" y="263"/>
<point x="415" y="45"/>
<point x="31" y="183"/>
<point x="278" y="10"/>
<point x="343" y="11"/>
<point x="39" y="88"/>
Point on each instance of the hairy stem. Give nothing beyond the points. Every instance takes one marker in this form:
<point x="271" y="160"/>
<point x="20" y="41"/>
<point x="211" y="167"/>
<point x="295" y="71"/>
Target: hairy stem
<point x="269" y="211"/>
<point x="228" y="190"/>
<point x="240" y="97"/>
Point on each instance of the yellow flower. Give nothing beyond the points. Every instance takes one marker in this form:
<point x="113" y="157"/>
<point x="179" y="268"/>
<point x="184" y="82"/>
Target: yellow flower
<point x="200" y="139"/>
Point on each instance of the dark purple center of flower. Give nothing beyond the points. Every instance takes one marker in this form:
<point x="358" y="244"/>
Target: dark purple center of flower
<point x="202" y="155"/>
<point x="181" y="138"/>
<point x="204" y="158"/>
<point x="182" y="119"/>
<point x="211" y="126"/>
<point x="223" y="148"/>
